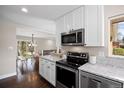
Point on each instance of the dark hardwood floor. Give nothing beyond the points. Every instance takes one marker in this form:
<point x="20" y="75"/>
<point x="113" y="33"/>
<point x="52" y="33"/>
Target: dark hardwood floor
<point x="27" y="77"/>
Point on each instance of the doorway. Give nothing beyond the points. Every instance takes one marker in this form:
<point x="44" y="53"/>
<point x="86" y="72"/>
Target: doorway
<point x="26" y="63"/>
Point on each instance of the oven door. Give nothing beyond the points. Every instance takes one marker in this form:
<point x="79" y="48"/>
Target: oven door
<point x="66" y="77"/>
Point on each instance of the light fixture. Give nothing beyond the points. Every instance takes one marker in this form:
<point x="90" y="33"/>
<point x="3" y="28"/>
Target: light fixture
<point x="24" y="10"/>
<point x="32" y="42"/>
<point x="32" y="45"/>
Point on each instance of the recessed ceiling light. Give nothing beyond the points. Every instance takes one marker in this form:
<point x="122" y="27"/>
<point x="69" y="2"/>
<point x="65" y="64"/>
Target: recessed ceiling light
<point x="24" y="10"/>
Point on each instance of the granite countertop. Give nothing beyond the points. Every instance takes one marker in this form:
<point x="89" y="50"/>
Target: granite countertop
<point x="51" y="58"/>
<point x="112" y="69"/>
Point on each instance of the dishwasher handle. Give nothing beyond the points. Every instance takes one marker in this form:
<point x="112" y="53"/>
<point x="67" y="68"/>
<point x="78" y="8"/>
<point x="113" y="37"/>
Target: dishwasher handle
<point x="94" y="83"/>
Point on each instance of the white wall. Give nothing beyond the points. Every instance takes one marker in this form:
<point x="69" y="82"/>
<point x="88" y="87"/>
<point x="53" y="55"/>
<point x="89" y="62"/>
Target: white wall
<point x="7" y="48"/>
<point x="110" y="11"/>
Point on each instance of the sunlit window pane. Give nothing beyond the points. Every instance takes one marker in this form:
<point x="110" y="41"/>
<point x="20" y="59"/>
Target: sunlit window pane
<point x="117" y="38"/>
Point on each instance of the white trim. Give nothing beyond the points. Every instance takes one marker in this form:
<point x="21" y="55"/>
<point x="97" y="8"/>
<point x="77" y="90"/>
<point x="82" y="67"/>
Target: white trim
<point x="110" y="49"/>
<point x="117" y="56"/>
<point x="7" y="75"/>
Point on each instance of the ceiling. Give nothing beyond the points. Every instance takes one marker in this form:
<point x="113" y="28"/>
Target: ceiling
<point x="50" y="12"/>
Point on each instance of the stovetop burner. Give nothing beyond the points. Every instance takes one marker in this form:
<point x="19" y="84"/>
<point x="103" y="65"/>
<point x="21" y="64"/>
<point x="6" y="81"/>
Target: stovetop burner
<point x="74" y="60"/>
<point x="69" y="64"/>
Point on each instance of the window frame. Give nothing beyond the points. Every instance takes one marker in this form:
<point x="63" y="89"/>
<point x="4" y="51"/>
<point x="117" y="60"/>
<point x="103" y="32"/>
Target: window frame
<point x="112" y="20"/>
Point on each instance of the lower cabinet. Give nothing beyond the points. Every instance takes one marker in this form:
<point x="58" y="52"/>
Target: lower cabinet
<point x="88" y="80"/>
<point x="53" y="74"/>
<point x="42" y="68"/>
<point x="47" y="70"/>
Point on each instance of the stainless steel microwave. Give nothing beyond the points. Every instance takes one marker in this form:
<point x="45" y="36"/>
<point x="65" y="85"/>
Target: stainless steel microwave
<point x="75" y="37"/>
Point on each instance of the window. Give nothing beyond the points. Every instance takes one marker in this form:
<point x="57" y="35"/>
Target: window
<point x="117" y="37"/>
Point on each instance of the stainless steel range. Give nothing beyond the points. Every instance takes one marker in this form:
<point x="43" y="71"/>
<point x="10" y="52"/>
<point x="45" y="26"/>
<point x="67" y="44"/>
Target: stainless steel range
<point x="67" y="70"/>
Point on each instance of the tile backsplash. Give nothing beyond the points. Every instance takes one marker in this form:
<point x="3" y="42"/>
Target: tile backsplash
<point x="92" y="51"/>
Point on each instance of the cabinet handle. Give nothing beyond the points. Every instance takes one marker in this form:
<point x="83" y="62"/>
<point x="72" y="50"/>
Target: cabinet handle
<point x="97" y="82"/>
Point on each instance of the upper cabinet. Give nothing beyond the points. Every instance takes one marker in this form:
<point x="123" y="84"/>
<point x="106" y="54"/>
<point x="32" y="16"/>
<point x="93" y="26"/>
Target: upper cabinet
<point x="74" y="20"/>
<point x="94" y="25"/>
<point x="60" y="29"/>
<point x="78" y="18"/>
<point x="68" y="22"/>
<point x="89" y="17"/>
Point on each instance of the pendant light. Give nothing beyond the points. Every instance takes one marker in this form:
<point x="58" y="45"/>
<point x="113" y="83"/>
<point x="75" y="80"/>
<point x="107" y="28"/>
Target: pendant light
<point x="32" y="42"/>
<point x="32" y="45"/>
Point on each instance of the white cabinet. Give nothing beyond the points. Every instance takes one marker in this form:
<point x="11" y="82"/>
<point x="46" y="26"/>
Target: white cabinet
<point x="89" y="17"/>
<point x="53" y="74"/>
<point x="59" y="30"/>
<point x="47" y="69"/>
<point x="78" y="18"/>
<point x="74" y="20"/>
<point x="42" y="67"/>
<point x="94" y="32"/>
<point x="68" y="26"/>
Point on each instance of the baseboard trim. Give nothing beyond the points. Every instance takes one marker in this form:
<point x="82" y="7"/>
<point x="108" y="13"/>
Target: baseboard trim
<point x="7" y="75"/>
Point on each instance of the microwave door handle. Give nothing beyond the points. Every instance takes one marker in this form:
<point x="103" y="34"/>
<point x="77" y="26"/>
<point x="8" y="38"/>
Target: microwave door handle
<point x="76" y="37"/>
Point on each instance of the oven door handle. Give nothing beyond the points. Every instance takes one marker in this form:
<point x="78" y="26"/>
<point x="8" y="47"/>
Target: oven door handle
<point x="67" y="68"/>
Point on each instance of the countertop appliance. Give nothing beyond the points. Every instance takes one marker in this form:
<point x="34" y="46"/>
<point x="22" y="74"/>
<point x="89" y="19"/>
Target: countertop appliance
<point x="67" y="74"/>
<point x="75" y="37"/>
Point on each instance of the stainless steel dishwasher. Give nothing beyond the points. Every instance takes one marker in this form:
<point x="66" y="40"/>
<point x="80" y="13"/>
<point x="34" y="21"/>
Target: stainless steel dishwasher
<point x="89" y="80"/>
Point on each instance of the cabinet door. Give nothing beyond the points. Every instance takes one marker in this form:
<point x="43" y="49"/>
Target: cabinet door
<point x="53" y="74"/>
<point x="59" y="29"/>
<point x="68" y="22"/>
<point x="91" y="25"/>
<point x="94" y="32"/>
<point x="78" y="18"/>
<point x="47" y="71"/>
<point x="41" y="68"/>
